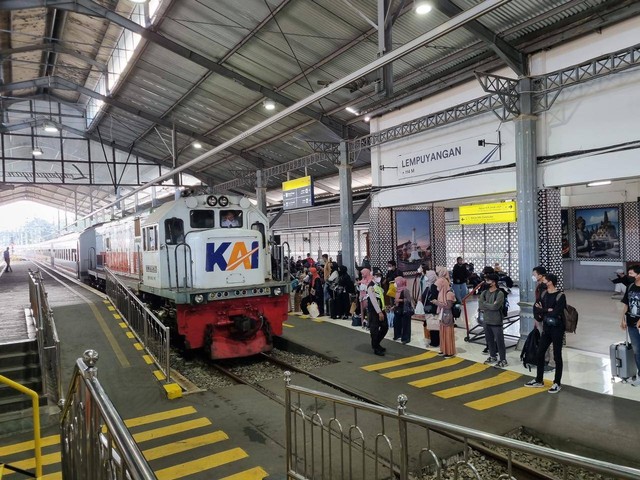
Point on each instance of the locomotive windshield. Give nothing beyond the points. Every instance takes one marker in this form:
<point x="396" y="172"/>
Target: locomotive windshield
<point x="231" y="218"/>
<point x="202" y="218"/>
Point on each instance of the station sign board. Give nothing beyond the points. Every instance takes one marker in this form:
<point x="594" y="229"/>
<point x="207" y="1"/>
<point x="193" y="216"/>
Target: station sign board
<point x="297" y="193"/>
<point x="502" y="212"/>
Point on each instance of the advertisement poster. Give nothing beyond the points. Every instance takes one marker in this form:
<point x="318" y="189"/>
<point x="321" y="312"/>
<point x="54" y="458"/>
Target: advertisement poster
<point x="598" y="232"/>
<point x="564" y="220"/>
<point x="413" y="239"/>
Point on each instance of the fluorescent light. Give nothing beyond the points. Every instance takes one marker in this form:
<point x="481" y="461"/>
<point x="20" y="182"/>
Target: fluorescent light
<point x="367" y="118"/>
<point x="197" y="145"/>
<point x="50" y="127"/>
<point x="36" y="152"/>
<point x="422" y="8"/>
<point x="599" y="183"/>
<point x="138" y="1"/>
<point x="351" y="110"/>
<point x="269" y="104"/>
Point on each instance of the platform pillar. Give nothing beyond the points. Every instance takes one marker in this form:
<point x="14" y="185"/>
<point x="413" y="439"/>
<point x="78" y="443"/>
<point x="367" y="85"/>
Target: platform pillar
<point x="527" y="203"/>
<point x="346" y="211"/>
<point x="550" y="232"/>
<point x="261" y="191"/>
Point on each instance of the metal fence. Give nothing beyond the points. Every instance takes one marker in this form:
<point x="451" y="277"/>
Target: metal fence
<point x="95" y="442"/>
<point x="47" y="338"/>
<point x="332" y="437"/>
<point x="148" y="329"/>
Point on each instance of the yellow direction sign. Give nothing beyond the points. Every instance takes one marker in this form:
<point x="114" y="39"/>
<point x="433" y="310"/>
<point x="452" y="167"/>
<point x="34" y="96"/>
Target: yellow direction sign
<point x="503" y="212"/>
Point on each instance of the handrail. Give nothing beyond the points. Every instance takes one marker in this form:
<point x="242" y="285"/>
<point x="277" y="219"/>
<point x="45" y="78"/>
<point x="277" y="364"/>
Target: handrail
<point x="187" y="248"/>
<point x="88" y="450"/>
<point x="35" y="403"/>
<point x="356" y="408"/>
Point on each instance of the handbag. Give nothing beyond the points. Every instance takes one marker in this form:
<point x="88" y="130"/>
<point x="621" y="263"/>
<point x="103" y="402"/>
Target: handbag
<point x="391" y="292"/>
<point x="419" y="310"/>
<point x="433" y="322"/>
<point x="551" y="321"/>
<point x="480" y="318"/>
<point x="314" y="312"/>
<point x="446" y="317"/>
<point x="407" y="308"/>
<point x="353" y="308"/>
<point x="427" y="334"/>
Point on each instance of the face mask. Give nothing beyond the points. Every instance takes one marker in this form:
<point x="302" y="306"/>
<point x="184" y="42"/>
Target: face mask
<point x="534" y="278"/>
<point x="377" y="279"/>
<point x="419" y="269"/>
<point x="389" y="268"/>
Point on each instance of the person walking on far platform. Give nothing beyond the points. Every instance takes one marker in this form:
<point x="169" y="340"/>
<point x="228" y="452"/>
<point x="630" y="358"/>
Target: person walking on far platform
<point x="631" y="316"/>
<point x="7" y="260"/>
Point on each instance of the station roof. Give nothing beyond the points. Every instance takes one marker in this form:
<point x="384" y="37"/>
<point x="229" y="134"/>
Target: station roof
<point x="208" y="67"/>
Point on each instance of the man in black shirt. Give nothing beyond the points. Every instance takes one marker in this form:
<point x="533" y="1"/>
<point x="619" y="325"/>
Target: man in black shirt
<point x="631" y="316"/>
<point x="459" y="277"/>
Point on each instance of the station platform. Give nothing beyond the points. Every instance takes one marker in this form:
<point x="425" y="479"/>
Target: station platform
<point x="14" y="288"/>
<point x="196" y="437"/>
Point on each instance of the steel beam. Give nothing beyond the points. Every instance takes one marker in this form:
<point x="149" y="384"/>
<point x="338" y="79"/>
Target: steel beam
<point x="88" y="7"/>
<point x="346" y="211"/>
<point x="52" y="47"/>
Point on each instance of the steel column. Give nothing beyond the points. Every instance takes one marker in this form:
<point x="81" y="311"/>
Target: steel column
<point x="174" y="158"/>
<point x="527" y="203"/>
<point x="261" y="191"/>
<point x="346" y="210"/>
<point x="385" y="46"/>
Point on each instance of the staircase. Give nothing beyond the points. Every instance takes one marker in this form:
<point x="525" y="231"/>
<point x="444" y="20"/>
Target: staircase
<point x="20" y="363"/>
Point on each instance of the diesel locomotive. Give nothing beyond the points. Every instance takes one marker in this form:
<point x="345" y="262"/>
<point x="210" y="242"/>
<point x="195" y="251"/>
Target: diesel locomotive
<point x="203" y="263"/>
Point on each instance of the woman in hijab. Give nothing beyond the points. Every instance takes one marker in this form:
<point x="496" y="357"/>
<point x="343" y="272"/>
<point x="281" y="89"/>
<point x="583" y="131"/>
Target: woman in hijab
<point x="343" y="291"/>
<point x="315" y="289"/>
<point x="402" y="312"/>
<point x="366" y="279"/>
<point x="444" y="302"/>
<point x="430" y="309"/>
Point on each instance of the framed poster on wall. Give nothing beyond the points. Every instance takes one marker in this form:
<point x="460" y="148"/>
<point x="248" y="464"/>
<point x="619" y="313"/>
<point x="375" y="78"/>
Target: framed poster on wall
<point x="413" y="239"/>
<point x="564" y="223"/>
<point x="598" y="232"/>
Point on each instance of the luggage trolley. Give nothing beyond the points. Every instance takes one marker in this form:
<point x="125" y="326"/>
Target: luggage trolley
<point x="476" y="333"/>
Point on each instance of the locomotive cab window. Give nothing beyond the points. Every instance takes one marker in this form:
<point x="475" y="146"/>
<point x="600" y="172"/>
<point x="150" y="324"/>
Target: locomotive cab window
<point x="150" y="238"/>
<point x="174" y="231"/>
<point x="231" y="218"/>
<point x="202" y="218"/>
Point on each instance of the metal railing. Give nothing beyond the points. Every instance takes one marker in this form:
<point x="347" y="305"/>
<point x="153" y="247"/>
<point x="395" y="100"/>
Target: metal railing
<point x="95" y="442"/>
<point x="47" y="338"/>
<point x="148" y="329"/>
<point x="329" y="437"/>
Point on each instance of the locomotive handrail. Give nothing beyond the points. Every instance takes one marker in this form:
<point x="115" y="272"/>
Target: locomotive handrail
<point x="187" y="248"/>
<point x="92" y="258"/>
<point x="89" y="450"/>
<point x="166" y="247"/>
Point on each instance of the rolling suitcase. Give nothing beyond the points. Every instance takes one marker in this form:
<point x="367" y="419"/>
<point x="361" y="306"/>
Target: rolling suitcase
<point x="623" y="363"/>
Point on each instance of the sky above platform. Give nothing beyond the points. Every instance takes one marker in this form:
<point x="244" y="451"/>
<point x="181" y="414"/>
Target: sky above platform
<point x="15" y="215"/>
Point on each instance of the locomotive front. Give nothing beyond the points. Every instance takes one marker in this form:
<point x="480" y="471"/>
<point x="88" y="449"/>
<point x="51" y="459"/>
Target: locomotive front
<point x="207" y="263"/>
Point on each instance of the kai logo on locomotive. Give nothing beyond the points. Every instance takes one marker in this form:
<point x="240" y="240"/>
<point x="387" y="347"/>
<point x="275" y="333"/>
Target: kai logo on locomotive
<point x="231" y="255"/>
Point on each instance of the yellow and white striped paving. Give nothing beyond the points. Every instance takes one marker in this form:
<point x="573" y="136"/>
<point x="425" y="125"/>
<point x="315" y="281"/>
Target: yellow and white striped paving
<point x="172" y="432"/>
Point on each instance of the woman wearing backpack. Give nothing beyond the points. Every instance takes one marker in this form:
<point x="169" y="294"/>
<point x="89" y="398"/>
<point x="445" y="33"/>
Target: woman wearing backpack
<point x="444" y="302"/>
<point x="490" y="303"/>
<point x="551" y="308"/>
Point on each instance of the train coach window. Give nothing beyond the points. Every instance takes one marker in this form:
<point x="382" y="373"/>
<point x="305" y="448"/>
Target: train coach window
<point x="202" y="218"/>
<point x="231" y="218"/>
<point x="174" y="231"/>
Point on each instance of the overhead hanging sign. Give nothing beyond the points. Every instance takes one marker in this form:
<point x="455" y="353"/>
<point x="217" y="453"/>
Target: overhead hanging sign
<point x="503" y="212"/>
<point x="297" y="193"/>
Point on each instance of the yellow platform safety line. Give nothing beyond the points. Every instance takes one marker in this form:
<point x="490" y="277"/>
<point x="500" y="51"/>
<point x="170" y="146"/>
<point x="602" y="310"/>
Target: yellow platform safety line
<point x="397" y="363"/>
<point x="506" y="397"/>
<point x="184" y="445"/>
<point x="28" y="445"/>
<point x="53" y="476"/>
<point x="147" y="359"/>
<point x="502" y="378"/>
<point x="111" y="308"/>
<point x="158" y="417"/>
<point x="130" y="335"/>
<point x="256" y="473"/>
<point x="106" y="301"/>
<point x="447" y="377"/>
<point x="117" y="316"/>
<point x="304" y="316"/>
<point x="429" y="367"/>
<point x="138" y="346"/>
<point x="317" y="320"/>
<point x="159" y="375"/>
<point x="123" y="325"/>
<point x="171" y="429"/>
<point x="287" y="325"/>
<point x="201" y="464"/>
<point x="30" y="463"/>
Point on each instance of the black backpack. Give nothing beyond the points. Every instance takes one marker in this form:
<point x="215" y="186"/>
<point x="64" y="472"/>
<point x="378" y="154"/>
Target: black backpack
<point x="529" y="354"/>
<point x="505" y="305"/>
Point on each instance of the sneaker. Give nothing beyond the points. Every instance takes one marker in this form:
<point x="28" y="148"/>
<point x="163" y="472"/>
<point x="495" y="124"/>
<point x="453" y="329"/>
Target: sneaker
<point x="486" y="350"/>
<point x="636" y="382"/>
<point x="501" y="364"/>
<point x="555" y="388"/>
<point x="490" y="361"/>
<point x="380" y="353"/>
<point x="441" y="354"/>
<point x="449" y="356"/>
<point x="534" y="384"/>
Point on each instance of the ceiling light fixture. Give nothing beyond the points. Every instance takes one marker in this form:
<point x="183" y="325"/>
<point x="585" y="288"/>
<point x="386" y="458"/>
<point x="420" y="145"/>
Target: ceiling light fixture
<point x="367" y="118"/>
<point x="599" y="183"/>
<point x="196" y="145"/>
<point x="36" y="152"/>
<point x="138" y="1"/>
<point x="351" y="110"/>
<point x="269" y="105"/>
<point x="422" y="8"/>
<point x="50" y="127"/>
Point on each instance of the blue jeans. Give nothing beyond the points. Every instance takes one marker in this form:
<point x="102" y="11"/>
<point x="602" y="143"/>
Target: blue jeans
<point x="634" y="336"/>
<point x="461" y="291"/>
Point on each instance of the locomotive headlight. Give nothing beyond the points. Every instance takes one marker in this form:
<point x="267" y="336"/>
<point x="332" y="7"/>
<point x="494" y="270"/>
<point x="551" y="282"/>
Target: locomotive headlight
<point x="212" y="201"/>
<point x="223" y="201"/>
<point x="277" y="291"/>
<point x="211" y="296"/>
<point x="198" y="298"/>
